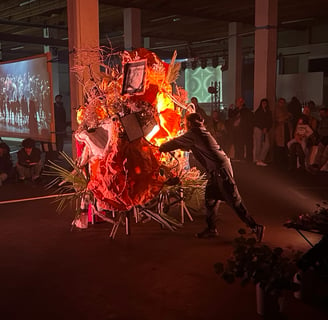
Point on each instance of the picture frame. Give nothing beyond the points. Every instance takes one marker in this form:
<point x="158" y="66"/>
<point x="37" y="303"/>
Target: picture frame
<point x="134" y="77"/>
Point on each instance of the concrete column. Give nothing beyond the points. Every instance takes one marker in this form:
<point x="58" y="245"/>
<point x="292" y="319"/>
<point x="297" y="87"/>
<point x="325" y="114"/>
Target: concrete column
<point x="83" y="33"/>
<point x="132" y="28"/>
<point x="46" y="48"/>
<point x="54" y="62"/>
<point x="232" y="76"/>
<point x="303" y="63"/>
<point x="265" y="51"/>
<point x="146" y="42"/>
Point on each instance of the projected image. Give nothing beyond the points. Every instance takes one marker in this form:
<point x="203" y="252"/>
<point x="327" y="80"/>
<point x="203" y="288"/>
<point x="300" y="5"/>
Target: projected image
<point x="198" y="81"/>
<point x="25" y="99"/>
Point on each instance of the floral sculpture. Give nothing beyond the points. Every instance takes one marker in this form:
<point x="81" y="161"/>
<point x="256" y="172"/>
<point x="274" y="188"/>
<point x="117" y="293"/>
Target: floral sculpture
<point x="130" y="110"/>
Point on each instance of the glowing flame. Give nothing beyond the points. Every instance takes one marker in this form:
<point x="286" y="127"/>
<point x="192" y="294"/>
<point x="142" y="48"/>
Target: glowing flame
<point x="152" y="132"/>
<point x="168" y="120"/>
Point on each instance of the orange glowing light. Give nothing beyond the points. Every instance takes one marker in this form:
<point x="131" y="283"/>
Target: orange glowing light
<point x="130" y="169"/>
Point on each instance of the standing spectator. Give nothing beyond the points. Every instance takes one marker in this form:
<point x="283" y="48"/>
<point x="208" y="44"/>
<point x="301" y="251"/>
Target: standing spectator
<point x="312" y="106"/>
<point x="219" y="129"/>
<point x="242" y="120"/>
<point x="29" y="163"/>
<point x="282" y="131"/>
<point x="60" y="122"/>
<point x="229" y="126"/>
<point x="298" y="146"/>
<point x="321" y="157"/>
<point x="312" y="121"/>
<point x="5" y="162"/>
<point x="295" y="109"/>
<point x="262" y="125"/>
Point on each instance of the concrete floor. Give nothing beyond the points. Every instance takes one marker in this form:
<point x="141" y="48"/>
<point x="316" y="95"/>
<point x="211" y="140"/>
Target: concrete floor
<point x="49" y="272"/>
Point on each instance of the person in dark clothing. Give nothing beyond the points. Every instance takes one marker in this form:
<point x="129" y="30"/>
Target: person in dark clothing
<point x="5" y="162"/>
<point x="295" y="109"/>
<point x="29" y="164"/>
<point x="242" y="119"/>
<point x="221" y="184"/>
<point x="263" y="122"/>
<point x="321" y="158"/>
<point x="60" y="122"/>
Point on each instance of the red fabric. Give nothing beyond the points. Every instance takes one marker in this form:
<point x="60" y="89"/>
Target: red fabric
<point x="131" y="179"/>
<point x="79" y="148"/>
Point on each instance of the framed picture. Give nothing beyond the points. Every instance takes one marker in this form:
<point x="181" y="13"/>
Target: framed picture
<point x="134" y="77"/>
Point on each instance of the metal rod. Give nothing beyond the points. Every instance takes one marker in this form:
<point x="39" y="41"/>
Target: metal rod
<point x="37" y="198"/>
<point x="305" y="238"/>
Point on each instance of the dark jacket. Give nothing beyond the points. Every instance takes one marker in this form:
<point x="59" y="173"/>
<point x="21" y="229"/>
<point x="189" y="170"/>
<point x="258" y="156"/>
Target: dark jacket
<point x="25" y="160"/>
<point x="263" y="119"/>
<point x="203" y="146"/>
<point x="5" y="161"/>
<point x="60" y="117"/>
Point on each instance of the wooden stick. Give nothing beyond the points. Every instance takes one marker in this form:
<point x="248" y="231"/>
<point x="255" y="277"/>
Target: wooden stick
<point x="36" y="198"/>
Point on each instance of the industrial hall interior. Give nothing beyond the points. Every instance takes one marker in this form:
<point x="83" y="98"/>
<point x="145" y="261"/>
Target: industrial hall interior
<point x="163" y="159"/>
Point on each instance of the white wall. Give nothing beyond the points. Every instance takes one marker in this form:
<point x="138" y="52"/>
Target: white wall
<point x="304" y="86"/>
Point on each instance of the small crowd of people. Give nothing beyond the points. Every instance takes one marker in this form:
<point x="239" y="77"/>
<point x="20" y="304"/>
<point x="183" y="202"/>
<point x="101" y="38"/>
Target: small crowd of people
<point x="291" y="135"/>
<point x="29" y="162"/>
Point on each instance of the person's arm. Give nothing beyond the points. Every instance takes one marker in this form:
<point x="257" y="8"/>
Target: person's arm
<point x="184" y="142"/>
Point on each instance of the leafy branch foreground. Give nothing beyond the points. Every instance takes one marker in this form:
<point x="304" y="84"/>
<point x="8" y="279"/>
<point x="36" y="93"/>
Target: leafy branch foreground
<point x="272" y="268"/>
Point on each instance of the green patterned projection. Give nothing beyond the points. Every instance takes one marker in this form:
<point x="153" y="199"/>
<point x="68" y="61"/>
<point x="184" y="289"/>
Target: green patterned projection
<point x="197" y="82"/>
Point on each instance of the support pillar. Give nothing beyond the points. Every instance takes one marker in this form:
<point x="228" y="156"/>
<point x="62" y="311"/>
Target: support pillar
<point x="265" y="64"/>
<point x="303" y="63"/>
<point x="132" y="28"/>
<point x="232" y="76"/>
<point x="146" y="42"/>
<point x="83" y="33"/>
<point x="46" y="48"/>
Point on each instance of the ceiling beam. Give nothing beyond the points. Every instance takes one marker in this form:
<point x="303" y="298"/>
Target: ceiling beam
<point x="30" y="24"/>
<point x="31" y="39"/>
<point x="209" y="8"/>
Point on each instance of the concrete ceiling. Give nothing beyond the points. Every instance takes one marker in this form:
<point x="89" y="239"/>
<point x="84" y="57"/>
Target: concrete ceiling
<point x="196" y="29"/>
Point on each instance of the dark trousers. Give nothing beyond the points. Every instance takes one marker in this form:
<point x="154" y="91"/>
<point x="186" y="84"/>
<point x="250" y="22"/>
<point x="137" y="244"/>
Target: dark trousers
<point x="296" y="153"/>
<point x="60" y="141"/>
<point x="281" y="156"/>
<point x="243" y="142"/>
<point x="221" y="186"/>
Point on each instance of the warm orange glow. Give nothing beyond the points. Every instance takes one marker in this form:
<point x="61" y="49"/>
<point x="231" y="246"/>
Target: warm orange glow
<point x="80" y="115"/>
<point x="163" y="102"/>
<point x="130" y="169"/>
<point x="151" y="134"/>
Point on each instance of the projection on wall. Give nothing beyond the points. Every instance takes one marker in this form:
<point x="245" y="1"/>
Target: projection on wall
<point x="25" y="98"/>
<point x="197" y="82"/>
